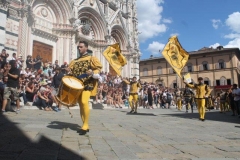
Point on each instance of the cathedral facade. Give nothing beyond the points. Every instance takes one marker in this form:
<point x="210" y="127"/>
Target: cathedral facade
<point x="53" y="28"/>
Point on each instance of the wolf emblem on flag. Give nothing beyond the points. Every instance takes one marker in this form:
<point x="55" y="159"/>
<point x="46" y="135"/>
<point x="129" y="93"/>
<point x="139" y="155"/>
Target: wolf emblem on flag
<point x="176" y="56"/>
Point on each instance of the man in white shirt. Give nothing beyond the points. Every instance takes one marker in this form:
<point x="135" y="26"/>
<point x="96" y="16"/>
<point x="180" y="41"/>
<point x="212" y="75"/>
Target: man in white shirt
<point x="14" y="56"/>
<point x="19" y="61"/>
<point x="236" y="95"/>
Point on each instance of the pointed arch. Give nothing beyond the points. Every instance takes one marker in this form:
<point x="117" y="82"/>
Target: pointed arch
<point x="61" y="9"/>
<point x="119" y="35"/>
<point x="98" y="24"/>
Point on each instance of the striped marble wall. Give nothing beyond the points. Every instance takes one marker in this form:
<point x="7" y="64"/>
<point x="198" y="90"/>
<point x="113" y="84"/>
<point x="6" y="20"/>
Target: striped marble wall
<point x="9" y="30"/>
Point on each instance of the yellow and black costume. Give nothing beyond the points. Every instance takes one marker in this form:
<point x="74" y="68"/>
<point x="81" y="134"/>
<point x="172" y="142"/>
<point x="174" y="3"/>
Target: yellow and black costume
<point x="179" y="99"/>
<point x="81" y="66"/>
<point x="202" y="91"/>
<point x="133" y="95"/>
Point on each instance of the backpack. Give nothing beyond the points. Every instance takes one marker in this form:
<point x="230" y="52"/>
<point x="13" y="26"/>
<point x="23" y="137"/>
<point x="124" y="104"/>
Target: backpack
<point x="187" y="92"/>
<point x="145" y="97"/>
<point x="169" y="97"/>
<point x="223" y="96"/>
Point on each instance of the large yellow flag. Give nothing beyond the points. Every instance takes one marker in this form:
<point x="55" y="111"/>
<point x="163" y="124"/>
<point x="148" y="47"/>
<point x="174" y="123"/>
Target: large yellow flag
<point x="176" y="56"/>
<point x="115" y="58"/>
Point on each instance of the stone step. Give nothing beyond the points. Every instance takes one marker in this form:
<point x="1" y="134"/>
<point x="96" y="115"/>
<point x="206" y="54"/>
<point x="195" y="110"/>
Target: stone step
<point x="92" y="105"/>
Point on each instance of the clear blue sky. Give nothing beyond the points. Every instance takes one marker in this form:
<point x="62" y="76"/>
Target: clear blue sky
<point x="198" y="23"/>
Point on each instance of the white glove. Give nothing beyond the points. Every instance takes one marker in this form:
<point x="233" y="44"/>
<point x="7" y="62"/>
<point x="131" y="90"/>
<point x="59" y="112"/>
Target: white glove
<point x="100" y="79"/>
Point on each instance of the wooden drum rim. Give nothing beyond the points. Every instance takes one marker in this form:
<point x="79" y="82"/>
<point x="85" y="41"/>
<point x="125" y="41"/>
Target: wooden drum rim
<point x="71" y="77"/>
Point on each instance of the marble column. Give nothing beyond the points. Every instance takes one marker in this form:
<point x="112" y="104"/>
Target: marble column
<point x="60" y="53"/>
<point x="68" y="51"/>
<point x="23" y="41"/>
<point x="74" y="47"/>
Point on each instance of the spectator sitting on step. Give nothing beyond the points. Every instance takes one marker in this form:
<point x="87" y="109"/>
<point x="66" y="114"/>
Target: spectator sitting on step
<point x="40" y="100"/>
<point x="22" y="93"/>
<point x="31" y="91"/>
<point x="13" y="82"/>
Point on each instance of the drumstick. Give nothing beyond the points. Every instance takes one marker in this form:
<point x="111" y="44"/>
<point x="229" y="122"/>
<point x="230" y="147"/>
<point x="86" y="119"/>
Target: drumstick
<point x="70" y="112"/>
<point x="70" y="79"/>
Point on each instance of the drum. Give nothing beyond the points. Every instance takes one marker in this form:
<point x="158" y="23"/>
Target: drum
<point x="69" y="91"/>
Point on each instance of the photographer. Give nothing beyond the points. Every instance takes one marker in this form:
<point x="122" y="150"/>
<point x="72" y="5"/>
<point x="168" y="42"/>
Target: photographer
<point x="41" y="99"/>
<point x="21" y="89"/>
<point x="4" y="58"/>
<point x="56" y="65"/>
<point x="50" y="71"/>
<point x="20" y="62"/>
<point x="29" y="62"/>
<point x="31" y="90"/>
<point x="37" y="63"/>
<point x="64" y="68"/>
<point x="12" y="84"/>
<point x="57" y="78"/>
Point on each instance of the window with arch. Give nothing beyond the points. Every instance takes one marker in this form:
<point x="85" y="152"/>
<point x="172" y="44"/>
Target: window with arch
<point x="145" y="71"/>
<point x="205" y="65"/>
<point x="206" y="81"/>
<point x="189" y="67"/>
<point x="159" y="70"/>
<point x="221" y="64"/>
<point x="223" y="81"/>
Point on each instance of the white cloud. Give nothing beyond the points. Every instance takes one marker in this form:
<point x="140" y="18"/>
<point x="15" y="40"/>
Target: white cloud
<point x="216" y="23"/>
<point x="155" y="47"/>
<point x="174" y="34"/>
<point x="233" y="22"/>
<point x="234" y="25"/>
<point x="232" y="35"/>
<point x="167" y="20"/>
<point x="149" y="19"/>
<point x="235" y="43"/>
<point x="214" y="45"/>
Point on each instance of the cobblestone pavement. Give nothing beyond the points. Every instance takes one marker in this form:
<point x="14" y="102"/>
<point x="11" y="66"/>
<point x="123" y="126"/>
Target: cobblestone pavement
<point x="115" y="134"/>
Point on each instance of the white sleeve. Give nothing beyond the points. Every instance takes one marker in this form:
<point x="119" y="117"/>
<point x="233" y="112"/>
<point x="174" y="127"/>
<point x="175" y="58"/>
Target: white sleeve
<point x="96" y="76"/>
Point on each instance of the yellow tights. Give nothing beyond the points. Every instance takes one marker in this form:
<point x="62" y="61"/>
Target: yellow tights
<point x="84" y="108"/>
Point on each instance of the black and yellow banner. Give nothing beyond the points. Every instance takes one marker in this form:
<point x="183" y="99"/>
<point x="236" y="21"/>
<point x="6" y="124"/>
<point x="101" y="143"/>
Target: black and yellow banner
<point x="115" y="58"/>
<point x="176" y="56"/>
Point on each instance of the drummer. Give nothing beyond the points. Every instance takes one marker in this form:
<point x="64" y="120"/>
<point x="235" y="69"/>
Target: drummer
<point x="90" y="65"/>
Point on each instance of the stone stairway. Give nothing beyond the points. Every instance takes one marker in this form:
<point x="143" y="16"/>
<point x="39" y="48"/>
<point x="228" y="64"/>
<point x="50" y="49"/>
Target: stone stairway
<point x="92" y="105"/>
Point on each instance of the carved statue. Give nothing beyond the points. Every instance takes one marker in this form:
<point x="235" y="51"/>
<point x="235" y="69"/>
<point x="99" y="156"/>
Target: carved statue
<point x="74" y="9"/>
<point x="91" y="2"/>
<point x="135" y="35"/>
<point x="76" y="24"/>
<point x="134" y="9"/>
<point x="26" y="2"/>
<point x="108" y="29"/>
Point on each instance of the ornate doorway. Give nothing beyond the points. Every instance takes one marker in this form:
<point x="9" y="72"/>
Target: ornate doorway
<point x="43" y="50"/>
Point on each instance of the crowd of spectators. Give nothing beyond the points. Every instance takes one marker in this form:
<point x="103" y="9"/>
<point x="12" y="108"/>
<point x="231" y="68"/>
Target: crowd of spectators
<point x="39" y="82"/>
<point x="114" y="92"/>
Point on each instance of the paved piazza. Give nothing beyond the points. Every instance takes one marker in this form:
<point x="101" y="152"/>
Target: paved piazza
<point x="114" y="134"/>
